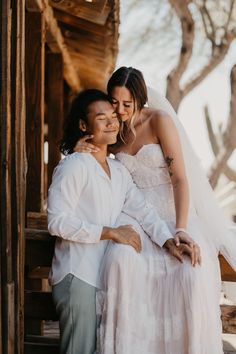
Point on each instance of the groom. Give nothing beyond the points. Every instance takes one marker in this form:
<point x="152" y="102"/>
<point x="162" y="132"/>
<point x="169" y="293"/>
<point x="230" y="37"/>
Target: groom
<point x="87" y="194"/>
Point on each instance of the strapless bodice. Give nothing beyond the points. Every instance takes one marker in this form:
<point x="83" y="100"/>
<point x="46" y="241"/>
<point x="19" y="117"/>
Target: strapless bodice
<point x="148" y="167"/>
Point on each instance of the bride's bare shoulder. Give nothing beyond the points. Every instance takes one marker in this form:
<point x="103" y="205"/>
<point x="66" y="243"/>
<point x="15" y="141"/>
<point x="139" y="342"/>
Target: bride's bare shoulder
<point x="156" y="116"/>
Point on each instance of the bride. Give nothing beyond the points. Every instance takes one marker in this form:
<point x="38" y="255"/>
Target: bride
<point x="150" y="302"/>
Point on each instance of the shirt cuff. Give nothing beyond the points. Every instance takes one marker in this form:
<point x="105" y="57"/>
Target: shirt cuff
<point x="160" y="239"/>
<point x="91" y="235"/>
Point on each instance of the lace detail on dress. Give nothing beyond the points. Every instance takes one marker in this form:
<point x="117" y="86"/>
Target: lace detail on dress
<point x="150" y="173"/>
<point x="148" y="167"/>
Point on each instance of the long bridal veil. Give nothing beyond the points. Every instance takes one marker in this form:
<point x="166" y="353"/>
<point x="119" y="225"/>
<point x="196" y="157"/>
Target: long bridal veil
<point x="215" y="227"/>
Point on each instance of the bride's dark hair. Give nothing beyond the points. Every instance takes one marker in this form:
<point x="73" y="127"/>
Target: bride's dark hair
<point x="79" y="111"/>
<point x="133" y="80"/>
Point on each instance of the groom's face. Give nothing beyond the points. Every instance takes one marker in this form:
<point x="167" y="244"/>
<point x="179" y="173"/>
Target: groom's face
<point x="103" y="123"/>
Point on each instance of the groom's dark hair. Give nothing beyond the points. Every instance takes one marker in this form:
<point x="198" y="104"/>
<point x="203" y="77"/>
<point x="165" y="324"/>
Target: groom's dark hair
<point x="79" y="111"/>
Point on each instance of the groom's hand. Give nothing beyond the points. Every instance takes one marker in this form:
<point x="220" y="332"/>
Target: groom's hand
<point x="124" y="234"/>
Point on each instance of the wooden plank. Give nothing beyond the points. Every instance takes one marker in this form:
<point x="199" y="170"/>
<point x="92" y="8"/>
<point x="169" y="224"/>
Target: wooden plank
<point x="227" y="272"/>
<point x="55" y="109"/>
<point x="78" y="23"/>
<point x="55" y="41"/>
<point x="38" y="235"/>
<point x="39" y="249"/>
<point x="41" y="345"/>
<point x="7" y="330"/>
<point x="20" y="164"/>
<point x="11" y="318"/>
<point x="80" y="5"/>
<point x="228" y="317"/>
<point x="37" y="221"/>
<point x="96" y="12"/>
<point x="39" y="273"/>
<point x="12" y="115"/>
<point x="41" y="348"/>
<point x="39" y="305"/>
<point x="42" y="339"/>
<point x="35" y="48"/>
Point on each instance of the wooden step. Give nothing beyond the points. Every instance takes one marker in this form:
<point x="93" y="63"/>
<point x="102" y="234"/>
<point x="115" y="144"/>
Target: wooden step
<point x="40" y="344"/>
<point x="39" y="305"/>
<point x="39" y="248"/>
<point x="36" y="221"/>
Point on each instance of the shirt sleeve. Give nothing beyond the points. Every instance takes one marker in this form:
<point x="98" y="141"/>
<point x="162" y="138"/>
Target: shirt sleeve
<point x="63" y="199"/>
<point x="146" y="215"/>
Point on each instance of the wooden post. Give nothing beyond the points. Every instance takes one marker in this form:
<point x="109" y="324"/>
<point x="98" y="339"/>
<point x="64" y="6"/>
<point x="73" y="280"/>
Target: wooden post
<point x="12" y="190"/>
<point x="7" y="333"/>
<point x="55" y="108"/>
<point x="20" y="168"/>
<point x="35" y="64"/>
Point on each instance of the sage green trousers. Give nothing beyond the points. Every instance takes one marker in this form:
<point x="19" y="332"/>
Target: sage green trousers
<point x="75" y="303"/>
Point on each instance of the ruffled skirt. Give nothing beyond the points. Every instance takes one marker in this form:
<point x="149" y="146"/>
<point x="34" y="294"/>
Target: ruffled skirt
<point x="150" y="303"/>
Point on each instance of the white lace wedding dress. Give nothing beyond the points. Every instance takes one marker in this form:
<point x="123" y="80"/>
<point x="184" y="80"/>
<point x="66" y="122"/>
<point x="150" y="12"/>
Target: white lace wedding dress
<point x="150" y="303"/>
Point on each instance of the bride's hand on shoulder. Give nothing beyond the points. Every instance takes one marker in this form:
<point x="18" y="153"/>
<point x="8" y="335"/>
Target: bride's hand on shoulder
<point x="83" y="146"/>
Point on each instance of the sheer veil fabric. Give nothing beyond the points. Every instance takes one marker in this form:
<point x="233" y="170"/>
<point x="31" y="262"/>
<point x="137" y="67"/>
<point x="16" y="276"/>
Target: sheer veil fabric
<point x="219" y="233"/>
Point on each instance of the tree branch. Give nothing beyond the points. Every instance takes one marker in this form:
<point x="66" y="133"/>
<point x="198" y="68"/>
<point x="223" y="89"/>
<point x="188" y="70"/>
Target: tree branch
<point x="229" y="136"/>
<point x="219" y="54"/>
<point x="219" y="165"/>
<point x="174" y="94"/>
<point x="211" y="134"/>
<point x="204" y="12"/>
<point x="229" y="16"/>
<point x="228" y="172"/>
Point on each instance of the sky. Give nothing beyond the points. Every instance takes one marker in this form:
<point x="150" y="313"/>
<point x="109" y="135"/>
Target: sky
<point x="149" y="55"/>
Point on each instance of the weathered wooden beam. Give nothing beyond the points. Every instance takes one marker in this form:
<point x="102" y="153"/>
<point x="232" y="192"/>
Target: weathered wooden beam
<point x="37" y="221"/>
<point x="96" y="12"/>
<point x="38" y="235"/>
<point x="12" y="190"/>
<point x="35" y="73"/>
<point x="20" y="168"/>
<point x="56" y="41"/>
<point x="79" y="23"/>
<point x="55" y="109"/>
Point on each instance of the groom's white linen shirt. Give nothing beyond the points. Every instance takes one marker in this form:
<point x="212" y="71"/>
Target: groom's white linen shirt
<point x="82" y="200"/>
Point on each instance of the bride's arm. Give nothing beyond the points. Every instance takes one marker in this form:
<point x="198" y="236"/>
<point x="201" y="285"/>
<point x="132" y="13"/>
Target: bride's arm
<point x="167" y="136"/>
<point x="165" y="131"/>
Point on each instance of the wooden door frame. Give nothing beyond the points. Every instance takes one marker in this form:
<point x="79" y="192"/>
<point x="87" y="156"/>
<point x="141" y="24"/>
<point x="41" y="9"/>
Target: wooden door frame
<point x="13" y="173"/>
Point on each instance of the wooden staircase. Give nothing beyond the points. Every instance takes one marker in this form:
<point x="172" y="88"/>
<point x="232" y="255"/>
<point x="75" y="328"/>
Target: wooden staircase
<point x="39" y="306"/>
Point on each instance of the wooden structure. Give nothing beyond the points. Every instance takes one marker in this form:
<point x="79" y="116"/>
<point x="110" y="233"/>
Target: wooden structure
<point x="50" y="49"/>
